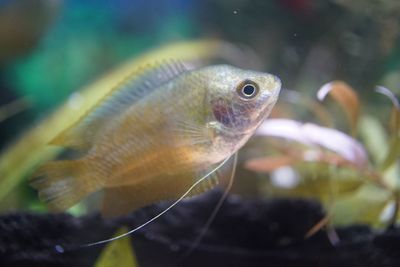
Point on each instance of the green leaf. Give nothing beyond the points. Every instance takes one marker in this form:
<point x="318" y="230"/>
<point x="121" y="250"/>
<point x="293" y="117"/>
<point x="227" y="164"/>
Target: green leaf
<point x="362" y="207"/>
<point x="317" y="180"/>
<point x="118" y="253"/>
<point x="394" y="149"/>
<point x="393" y="154"/>
<point x="374" y="138"/>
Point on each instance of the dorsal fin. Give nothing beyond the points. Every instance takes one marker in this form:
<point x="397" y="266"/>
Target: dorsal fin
<point x="138" y="85"/>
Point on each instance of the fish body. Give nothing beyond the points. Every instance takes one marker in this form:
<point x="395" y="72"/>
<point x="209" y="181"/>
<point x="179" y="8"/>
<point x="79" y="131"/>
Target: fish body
<point x="154" y="135"/>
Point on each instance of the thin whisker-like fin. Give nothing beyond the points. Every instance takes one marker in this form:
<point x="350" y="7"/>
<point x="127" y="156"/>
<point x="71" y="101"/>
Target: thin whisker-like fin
<point x="215" y="211"/>
<point x="161" y="213"/>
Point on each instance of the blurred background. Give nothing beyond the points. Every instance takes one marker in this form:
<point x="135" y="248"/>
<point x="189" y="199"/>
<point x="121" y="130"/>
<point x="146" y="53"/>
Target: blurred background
<point x="49" y="49"/>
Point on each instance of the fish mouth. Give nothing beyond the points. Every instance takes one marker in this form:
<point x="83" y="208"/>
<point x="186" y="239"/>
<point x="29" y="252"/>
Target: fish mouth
<point x="271" y="101"/>
<point x="275" y="94"/>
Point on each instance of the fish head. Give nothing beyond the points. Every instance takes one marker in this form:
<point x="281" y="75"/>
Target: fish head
<point x="241" y="99"/>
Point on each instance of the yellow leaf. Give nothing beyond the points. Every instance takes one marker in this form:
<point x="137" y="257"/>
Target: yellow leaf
<point x="118" y="253"/>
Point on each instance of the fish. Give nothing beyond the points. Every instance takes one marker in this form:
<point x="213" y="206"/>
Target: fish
<point x="155" y="134"/>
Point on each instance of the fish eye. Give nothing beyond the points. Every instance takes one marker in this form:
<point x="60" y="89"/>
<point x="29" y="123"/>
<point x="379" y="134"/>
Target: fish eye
<point x="247" y="89"/>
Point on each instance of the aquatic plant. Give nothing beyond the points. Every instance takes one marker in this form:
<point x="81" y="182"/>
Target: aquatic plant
<point x="355" y="174"/>
<point x="118" y="253"/>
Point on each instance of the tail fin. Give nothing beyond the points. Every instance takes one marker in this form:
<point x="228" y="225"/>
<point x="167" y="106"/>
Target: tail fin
<point x="62" y="184"/>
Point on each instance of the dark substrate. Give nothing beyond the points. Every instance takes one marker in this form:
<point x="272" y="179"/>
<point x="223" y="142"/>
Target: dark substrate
<point x="244" y="233"/>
